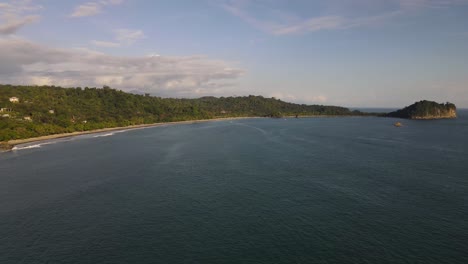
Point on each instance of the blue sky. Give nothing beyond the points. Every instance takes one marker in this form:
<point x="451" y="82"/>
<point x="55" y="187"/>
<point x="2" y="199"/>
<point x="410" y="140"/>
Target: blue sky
<point x="357" y="53"/>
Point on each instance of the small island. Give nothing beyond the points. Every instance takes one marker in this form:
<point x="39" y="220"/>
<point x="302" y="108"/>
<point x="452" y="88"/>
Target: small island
<point x="426" y="110"/>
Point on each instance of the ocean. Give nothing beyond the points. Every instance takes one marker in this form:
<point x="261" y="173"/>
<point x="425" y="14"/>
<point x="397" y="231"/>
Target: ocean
<point x="308" y="190"/>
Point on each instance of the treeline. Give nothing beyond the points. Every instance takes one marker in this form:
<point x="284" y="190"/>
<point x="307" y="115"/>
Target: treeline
<point x="45" y="110"/>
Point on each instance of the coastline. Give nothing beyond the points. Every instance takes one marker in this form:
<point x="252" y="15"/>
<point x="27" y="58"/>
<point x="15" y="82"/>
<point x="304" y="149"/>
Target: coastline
<point x="9" y="145"/>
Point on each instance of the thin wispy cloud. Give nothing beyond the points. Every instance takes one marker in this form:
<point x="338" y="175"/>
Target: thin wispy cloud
<point x="311" y="25"/>
<point x="17" y="14"/>
<point x="123" y="37"/>
<point x="25" y="62"/>
<point x="93" y="8"/>
<point x="129" y="36"/>
<point x="263" y="16"/>
<point x="105" y="44"/>
<point x="431" y="3"/>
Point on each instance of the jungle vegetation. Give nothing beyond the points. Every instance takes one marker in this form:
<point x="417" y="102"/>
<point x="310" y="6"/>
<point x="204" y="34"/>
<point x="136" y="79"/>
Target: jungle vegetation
<point x="46" y="110"/>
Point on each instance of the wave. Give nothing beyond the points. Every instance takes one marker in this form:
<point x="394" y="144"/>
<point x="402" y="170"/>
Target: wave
<point x="71" y="138"/>
<point x="113" y="133"/>
<point x="39" y="145"/>
<point x="27" y="147"/>
<point x="104" y="135"/>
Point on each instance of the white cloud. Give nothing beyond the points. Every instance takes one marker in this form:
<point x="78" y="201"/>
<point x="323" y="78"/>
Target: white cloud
<point x="93" y="8"/>
<point x="16" y="14"/>
<point x="25" y="62"/>
<point x="151" y="55"/>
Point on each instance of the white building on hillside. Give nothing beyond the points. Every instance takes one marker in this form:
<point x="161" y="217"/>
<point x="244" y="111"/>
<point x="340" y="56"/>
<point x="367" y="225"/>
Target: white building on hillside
<point x="14" y="99"/>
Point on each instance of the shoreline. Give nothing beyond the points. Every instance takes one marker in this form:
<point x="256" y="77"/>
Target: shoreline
<point x="9" y="145"/>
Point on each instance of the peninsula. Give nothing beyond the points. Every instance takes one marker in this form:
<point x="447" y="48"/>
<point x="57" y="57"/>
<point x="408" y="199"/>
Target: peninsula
<point x="426" y="110"/>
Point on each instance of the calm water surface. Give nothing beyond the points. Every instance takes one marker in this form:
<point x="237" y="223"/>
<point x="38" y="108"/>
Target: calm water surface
<point x="323" y="190"/>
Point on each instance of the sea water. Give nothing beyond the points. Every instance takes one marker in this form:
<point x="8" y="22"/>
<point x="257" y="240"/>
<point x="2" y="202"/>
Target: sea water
<point x="307" y="190"/>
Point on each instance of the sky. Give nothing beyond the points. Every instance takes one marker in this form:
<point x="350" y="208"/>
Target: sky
<point x="355" y="53"/>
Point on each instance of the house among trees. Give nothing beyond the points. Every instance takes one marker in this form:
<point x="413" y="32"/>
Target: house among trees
<point x="6" y="115"/>
<point x="51" y="111"/>
<point x="27" y="118"/>
<point x="14" y="99"/>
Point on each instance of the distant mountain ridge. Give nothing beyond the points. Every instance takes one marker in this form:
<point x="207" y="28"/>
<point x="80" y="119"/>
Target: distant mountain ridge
<point x="426" y="110"/>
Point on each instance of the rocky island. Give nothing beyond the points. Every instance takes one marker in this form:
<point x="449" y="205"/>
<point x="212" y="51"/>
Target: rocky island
<point x="426" y="110"/>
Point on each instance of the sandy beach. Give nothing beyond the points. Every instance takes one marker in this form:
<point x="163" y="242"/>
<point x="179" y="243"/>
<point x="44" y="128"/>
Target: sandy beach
<point x="12" y="143"/>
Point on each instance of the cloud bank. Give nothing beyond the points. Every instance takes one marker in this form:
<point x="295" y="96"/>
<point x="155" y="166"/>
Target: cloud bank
<point x="25" y="62"/>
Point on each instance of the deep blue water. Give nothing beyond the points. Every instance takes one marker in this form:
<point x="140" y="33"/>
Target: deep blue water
<point x="318" y="190"/>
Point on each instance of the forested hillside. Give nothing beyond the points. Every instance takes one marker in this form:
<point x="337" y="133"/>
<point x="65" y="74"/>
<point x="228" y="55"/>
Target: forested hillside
<point x="45" y="110"/>
<point x="426" y="110"/>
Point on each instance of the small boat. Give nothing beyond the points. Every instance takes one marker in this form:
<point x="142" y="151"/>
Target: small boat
<point x="398" y="124"/>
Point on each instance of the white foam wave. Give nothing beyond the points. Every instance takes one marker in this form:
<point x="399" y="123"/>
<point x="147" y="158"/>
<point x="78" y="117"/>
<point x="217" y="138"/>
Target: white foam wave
<point x="104" y="135"/>
<point x="112" y="133"/>
<point x="22" y="147"/>
<point x="26" y="147"/>
<point x="39" y="145"/>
